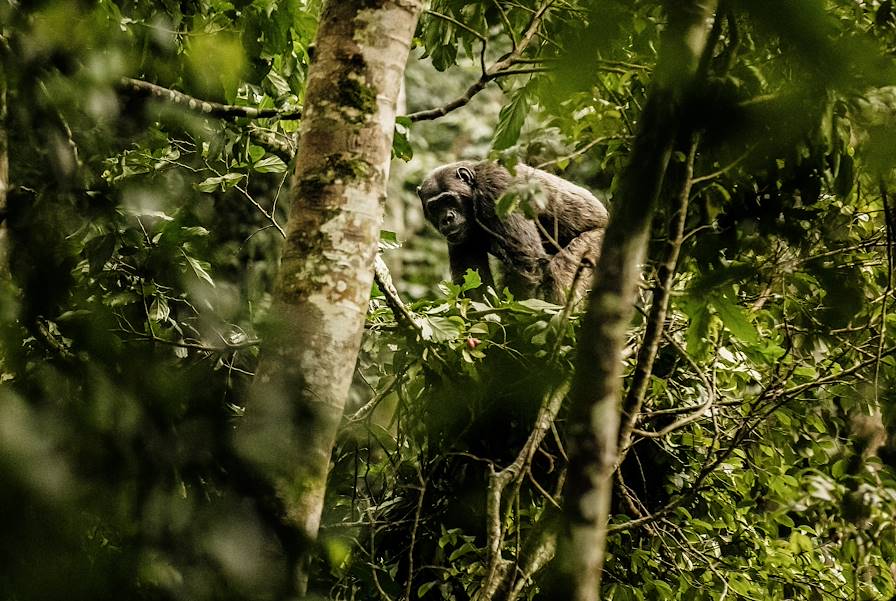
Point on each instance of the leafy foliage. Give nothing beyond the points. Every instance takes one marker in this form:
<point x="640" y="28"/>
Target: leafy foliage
<point x="144" y="236"/>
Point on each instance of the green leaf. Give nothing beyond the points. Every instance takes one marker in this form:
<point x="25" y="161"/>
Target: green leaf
<point x="698" y="330"/>
<point x="401" y="147"/>
<point x="424" y="588"/>
<point x="195" y="231"/>
<point x="255" y="153"/>
<point x="511" y="120"/>
<point x="663" y="589"/>
<point x="507" y="203"/>
<point x="444" y="56"/>
<point x="199" y="268"/>
<point x="464" y="549"/>
<point x="225" y="181"/>
<point x="99" y="250"/>
<point x="124" y="298"/>
<point x="735" y="319"/>
<point x="441" y="329"/>
<point x="800" y="543"/>
<point x="389" y="240"/>
<point x="270" y="164"/>
<point x="806" y="371"/>
<point x="538" y="306"/>
<point x="159" y="310"/>
<point x="471" y="280"/>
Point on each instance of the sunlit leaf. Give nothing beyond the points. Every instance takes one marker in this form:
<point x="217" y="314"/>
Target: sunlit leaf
<point x="270" y="164"/>
<point x="199" y="268"/>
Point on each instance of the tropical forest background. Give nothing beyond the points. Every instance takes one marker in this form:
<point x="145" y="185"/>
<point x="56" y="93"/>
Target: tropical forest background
<point x="148" y="154"/>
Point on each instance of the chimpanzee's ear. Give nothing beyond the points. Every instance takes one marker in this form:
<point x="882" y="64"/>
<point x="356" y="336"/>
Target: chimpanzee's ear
<point x="418" y="192"/>
<point x="465" y="175"/>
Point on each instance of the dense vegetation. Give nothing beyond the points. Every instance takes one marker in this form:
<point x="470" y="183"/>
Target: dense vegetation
<point x="143" y="228"/>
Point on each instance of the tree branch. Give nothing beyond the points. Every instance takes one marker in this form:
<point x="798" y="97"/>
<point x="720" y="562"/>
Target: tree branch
<point x="212" y="109"/>
<point x="383" y="280"/>
<point x="500" y="68"/>
<point x="498" y="481"/>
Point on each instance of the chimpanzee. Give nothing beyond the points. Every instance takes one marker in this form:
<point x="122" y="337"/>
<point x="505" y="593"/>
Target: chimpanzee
<point x="540" y="256"/>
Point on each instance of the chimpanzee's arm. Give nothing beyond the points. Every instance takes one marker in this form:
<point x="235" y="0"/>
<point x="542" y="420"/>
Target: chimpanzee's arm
<point x="466" y="256"/>
<point x="515" y="241"/>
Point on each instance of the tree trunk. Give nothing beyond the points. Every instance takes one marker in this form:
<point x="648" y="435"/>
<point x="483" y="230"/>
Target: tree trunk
<point x="595" y="398"/>
<point x="326" y="272"/>
<point x="4" y="177"/>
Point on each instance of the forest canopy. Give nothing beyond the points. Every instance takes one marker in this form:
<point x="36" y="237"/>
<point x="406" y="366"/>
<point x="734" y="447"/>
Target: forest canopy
<point x="234" y="363"/>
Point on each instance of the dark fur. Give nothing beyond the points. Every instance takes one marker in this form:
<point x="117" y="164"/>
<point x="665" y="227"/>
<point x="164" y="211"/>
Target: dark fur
<point x="459" y="199"/>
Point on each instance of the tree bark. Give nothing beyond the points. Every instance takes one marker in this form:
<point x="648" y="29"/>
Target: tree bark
<point x="326" y="272"/>
<point x="4" y="176"/>
<point x="595" y="398"/>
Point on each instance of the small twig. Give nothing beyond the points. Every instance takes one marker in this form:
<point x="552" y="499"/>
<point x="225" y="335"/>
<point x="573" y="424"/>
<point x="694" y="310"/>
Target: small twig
<point x="699" y="411"/>
<point x="417" y="514"/>
<point x="269" y="215"/>
<point x="726" y="168"/>
<point x="374" y="568"/>
<point x="623" y="65"/>
<point x="889" y="225"/>
<point x="541" y="489"/>
<point x="508" y="28"/>
<point x="228" y="346"/>
<point x="580" y="151"/>
<point x="678" y="424"/>
<point x="454" y="21"/>
<point x="212" y="109"/>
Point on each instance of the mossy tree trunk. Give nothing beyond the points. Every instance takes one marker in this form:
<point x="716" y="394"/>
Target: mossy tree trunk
<point x="326" y="271"/>
<point x="595" y="397"/>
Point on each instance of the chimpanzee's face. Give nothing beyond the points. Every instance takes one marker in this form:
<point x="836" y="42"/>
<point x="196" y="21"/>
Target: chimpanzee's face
<point x="447" y="196"/>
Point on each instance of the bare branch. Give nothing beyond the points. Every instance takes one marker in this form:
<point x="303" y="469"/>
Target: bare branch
<point x="269" y="214"/>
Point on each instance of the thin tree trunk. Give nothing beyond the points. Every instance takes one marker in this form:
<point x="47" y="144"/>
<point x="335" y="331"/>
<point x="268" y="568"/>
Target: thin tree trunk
<point x="4" y="176"/>
<point x="656" y="319"/>
<point x="326" y="272"/>
<point x="595" y="398"/>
